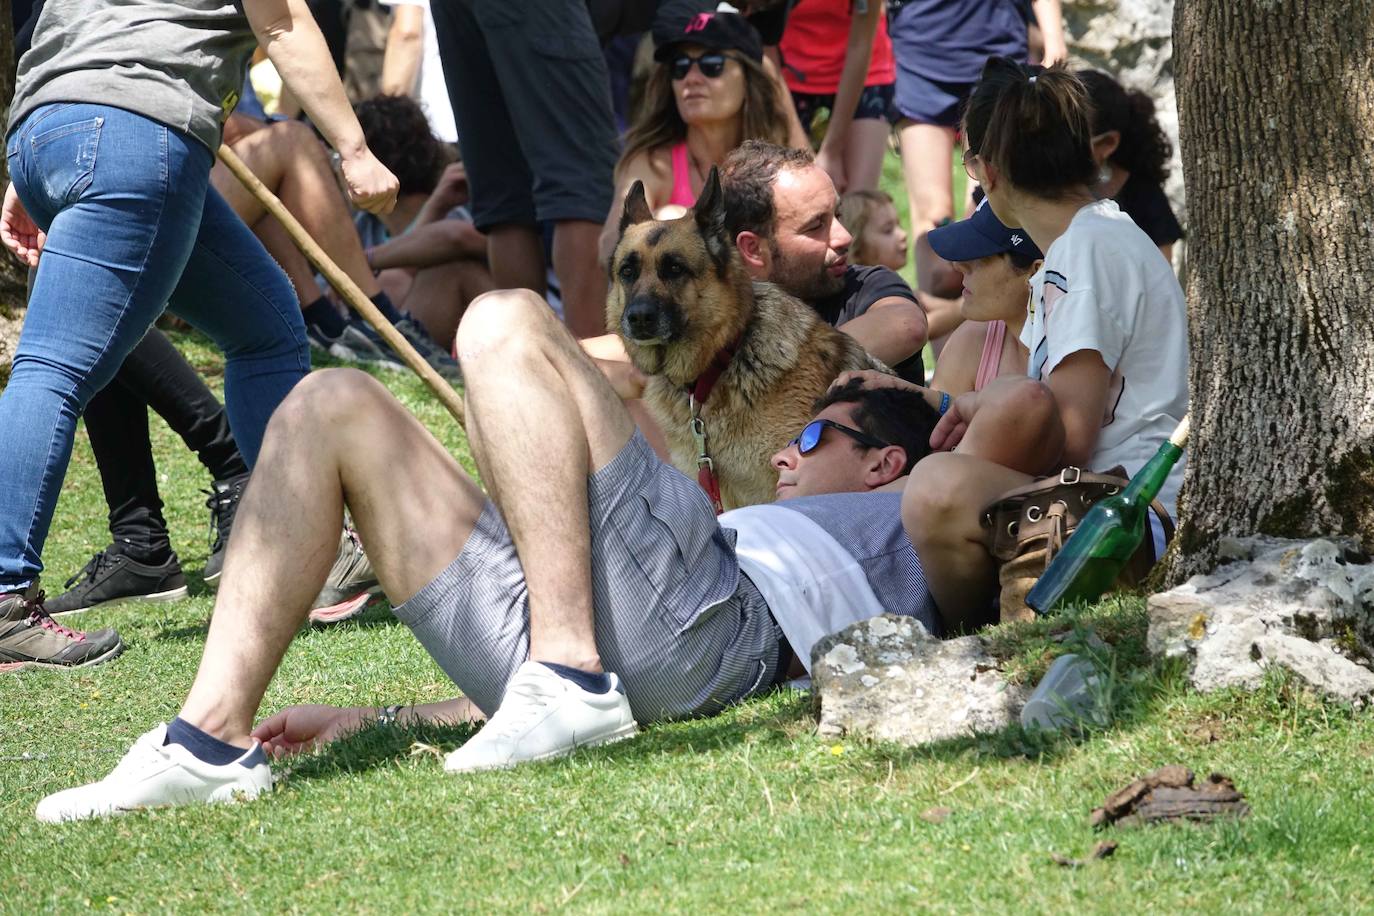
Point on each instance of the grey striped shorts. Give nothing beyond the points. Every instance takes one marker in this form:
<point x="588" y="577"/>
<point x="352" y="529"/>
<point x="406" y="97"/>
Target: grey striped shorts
<point x="684" y="629"/>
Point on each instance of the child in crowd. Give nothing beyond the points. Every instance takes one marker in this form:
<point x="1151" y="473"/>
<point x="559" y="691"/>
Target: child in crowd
<point x="871" y="218"/>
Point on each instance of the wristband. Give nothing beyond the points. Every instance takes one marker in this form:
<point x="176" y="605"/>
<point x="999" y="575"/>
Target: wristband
<point x="944" y="402"/>
<point x="388" y="715"/>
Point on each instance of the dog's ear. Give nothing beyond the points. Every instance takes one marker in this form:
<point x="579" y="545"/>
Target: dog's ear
<point x="709" y="212"/>
<point x="636" y="207"/>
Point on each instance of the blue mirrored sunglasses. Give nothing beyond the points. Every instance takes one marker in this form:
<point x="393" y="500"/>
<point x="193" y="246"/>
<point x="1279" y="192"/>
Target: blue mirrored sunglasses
<point x="810" y="436"/>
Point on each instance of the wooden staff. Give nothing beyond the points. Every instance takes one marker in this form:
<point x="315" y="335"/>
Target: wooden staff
<point x="344" y="285"/>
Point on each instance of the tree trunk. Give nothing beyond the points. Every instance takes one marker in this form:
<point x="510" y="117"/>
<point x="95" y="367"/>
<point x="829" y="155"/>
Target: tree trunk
<point x="1276" y="111"/>
<point x="12" y="275"/>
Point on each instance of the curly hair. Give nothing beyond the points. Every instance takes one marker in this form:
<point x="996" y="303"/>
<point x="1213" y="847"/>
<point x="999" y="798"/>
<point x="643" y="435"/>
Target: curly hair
<point x="398" y="134"/>
<point x="1144" y="149"/>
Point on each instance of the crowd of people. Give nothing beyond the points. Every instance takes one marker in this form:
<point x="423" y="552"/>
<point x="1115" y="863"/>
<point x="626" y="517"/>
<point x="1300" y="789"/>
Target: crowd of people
<point x="587" y="588"/>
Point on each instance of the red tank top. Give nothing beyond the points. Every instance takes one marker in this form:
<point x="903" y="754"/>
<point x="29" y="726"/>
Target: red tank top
<point x="814" y="43"/>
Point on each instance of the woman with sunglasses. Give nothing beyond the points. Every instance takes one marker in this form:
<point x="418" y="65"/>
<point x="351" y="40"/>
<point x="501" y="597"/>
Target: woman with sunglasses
<point x="1106" y="335"/>
<point x="708" y="93"/>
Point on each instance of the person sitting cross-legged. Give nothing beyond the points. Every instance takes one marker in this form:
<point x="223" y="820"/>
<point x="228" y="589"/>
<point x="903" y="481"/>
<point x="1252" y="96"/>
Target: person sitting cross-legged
<point x="591" y="556"/>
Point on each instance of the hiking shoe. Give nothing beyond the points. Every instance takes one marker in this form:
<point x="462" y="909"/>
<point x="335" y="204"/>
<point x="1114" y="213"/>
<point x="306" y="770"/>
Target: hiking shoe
<point x="358" y="343"/>
<point x="544" y="716"/>
<point x="419" y="338"/>
<point x="29" y="636"/>
<point x="350" y="585"/>
<point x="153" y="774"/>
<point x="111" y="577"/>
<point x="223" y="502"/>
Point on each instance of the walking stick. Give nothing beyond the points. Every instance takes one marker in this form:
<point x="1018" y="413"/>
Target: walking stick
<point x="344" y="285"/>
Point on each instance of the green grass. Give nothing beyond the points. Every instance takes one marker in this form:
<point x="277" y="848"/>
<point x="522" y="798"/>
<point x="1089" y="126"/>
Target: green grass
<point x="747" y="811"/>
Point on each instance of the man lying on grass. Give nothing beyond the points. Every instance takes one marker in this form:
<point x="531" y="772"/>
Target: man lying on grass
<point x="591" y="556"/>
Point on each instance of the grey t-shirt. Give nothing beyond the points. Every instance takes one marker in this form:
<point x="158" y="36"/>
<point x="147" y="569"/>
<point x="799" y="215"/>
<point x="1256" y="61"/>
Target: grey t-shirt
<point x="178" y="62"/>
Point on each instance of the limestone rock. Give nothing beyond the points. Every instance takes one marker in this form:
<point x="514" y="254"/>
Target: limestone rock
<point x="1305" y="606"/>
<point x="887" y="678"/>
<point x="1133" y="41"/>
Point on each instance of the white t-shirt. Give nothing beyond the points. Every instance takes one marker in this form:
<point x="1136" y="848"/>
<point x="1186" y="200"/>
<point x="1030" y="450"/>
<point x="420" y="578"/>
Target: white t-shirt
<point x="1106" y="287"/>
<point x="825" y="562"/>
<point x="430" y="90"/>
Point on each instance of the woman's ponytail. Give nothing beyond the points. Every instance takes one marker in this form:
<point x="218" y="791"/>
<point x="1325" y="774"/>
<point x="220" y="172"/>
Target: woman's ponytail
<point x="1033" y="125"/>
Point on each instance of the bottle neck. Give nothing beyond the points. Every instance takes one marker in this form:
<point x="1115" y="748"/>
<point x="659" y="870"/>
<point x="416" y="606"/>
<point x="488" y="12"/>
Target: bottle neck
<point x="1149" y="480"/>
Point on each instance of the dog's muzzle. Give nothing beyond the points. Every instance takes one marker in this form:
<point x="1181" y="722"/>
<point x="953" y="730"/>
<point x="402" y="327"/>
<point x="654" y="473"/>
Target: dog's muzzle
<point x="648" y="320"/>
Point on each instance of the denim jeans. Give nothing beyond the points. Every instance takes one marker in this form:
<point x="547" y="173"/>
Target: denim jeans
<point x="133" y="227"/>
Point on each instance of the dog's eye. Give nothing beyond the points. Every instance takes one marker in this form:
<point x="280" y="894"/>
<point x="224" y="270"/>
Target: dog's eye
<point x="629" y="270"/>
<point x="671" y="269"/>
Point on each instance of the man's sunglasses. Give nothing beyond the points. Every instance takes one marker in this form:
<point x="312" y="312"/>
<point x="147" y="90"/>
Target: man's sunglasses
<point x="810" y="436"/>
<point x="711" y="65"/>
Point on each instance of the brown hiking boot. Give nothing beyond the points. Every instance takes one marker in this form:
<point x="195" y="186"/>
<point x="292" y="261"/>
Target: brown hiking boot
<point x="29" y="636"/>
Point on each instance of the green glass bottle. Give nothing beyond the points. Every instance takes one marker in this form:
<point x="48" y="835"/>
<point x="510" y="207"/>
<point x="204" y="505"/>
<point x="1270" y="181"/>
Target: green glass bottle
<point x="1108" y="536"/>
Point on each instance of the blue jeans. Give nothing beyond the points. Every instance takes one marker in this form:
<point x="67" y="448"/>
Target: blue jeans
<point x="133" y="226"/>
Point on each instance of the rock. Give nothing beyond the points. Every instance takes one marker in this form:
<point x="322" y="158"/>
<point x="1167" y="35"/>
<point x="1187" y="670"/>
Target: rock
<point x="1304" y="606"/>
<point x="1133" y="41"/>
<point x="889" y="679"/>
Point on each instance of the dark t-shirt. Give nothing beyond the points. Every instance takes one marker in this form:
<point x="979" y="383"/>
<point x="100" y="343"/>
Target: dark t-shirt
<point x="949" y="41"/>
<point x="864" y="286"/>
<point x="1147" y="204"/>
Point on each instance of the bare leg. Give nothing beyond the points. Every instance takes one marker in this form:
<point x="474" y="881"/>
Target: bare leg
<point x="927" y="161"/>
<point x="516" y="256"/>
<point x="944" y="496"/>
<point x="292" y="162"/>
<point x="541" y="418"/>
<point x="580" y="277"/>
<point x="1017" y="426"/>
<point x="863" y="155"/>
<point x="338" y="437"/>
<point x="439" y="295"/>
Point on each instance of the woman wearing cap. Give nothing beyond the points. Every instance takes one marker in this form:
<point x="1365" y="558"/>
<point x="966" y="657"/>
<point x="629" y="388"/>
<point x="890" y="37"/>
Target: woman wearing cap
<point x="117" y="114"/>
<point x="708" y="93"/>
<point x="1106" y="336"/>
<point x="996" y="264"/>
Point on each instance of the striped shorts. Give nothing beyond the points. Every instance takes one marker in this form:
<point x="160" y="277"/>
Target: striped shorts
<point x="686" y="632"/>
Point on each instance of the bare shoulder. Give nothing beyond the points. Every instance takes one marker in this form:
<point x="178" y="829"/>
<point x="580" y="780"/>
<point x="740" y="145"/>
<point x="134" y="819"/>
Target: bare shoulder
<point x="957" y="368"/>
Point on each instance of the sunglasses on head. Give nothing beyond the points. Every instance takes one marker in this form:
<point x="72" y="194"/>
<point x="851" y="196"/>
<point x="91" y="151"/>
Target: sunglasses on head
<point x="810" y="436"/>
<point x="711" y="64"/>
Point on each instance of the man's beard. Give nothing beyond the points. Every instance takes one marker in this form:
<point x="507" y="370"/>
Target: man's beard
<point x="806" y="284"/>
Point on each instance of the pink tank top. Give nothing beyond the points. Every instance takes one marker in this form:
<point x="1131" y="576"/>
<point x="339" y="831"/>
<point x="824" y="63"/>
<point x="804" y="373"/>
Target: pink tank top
<point x="682" y="177"/>
<point x="991" y="359"/>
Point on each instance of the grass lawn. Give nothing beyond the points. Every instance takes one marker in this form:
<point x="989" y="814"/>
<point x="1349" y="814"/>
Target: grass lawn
<point x="748" y="811"/>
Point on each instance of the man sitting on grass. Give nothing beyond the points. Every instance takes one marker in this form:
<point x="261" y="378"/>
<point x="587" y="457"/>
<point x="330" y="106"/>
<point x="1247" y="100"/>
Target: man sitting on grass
<point x="590" y="556"/>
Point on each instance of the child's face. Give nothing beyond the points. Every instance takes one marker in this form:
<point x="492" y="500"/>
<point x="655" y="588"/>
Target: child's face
<point x="884" y="240"/>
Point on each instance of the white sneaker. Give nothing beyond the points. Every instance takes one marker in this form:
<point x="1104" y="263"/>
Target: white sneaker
<point x="154" y="774"/>
<point x="543" y="716"/>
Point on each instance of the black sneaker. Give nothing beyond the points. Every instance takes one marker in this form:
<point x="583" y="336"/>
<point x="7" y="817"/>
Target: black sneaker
<point x="30" y="637"/>
<point x="223" y="503"/>
<point x="419" y="338"/>
<point x="112" y="577"/>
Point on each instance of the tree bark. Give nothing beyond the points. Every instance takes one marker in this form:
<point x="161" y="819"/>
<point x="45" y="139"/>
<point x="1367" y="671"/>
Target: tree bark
<point x="1276" y="111"/>
<point x="12" y="275"/>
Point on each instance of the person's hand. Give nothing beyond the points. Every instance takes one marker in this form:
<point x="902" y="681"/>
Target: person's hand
<point x="949" y="432"/>
<point x="18" y="231"/>
<point x="1055" y="51"/>
<point x="832" y="161"/>
<point x="627" y="381"/>
<point x="871" y="379"/>
<point x="371" y="186"/>
<point x="300" y="728"/>
<point x="452" y="189"/>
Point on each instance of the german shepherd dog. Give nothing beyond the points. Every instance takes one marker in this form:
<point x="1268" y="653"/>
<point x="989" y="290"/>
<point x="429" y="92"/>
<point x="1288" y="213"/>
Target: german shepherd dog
<point x="681" y="299"/>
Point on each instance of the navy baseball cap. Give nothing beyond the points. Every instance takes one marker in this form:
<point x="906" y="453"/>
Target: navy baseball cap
<point x="980" y="236"/>
<point x="685" y="22"/>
